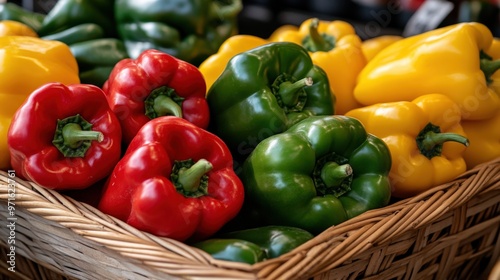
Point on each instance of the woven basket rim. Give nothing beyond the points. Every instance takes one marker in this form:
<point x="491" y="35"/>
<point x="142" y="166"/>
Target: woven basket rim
<point x="343" y="241"/>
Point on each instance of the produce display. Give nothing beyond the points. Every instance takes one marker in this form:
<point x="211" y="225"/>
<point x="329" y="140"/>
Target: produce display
<point x="240" y="146"/>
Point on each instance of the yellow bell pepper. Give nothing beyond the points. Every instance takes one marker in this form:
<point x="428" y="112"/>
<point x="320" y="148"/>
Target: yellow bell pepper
<point x="445" y="60"/>
<point x="336" y="48"/>
<point x="425" y="138"/>
<point x="373" y="46"/>
<point x="27" y="63"/>
<point x="10" y="28"/>
<point x="484" y="135"/>
<point x="212" y="67"/>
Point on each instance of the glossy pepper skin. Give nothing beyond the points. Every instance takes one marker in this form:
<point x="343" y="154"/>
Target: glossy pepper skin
<point x="234" y="250"/>
<point x="425" y="137"/>
<point x="96" y="54"/>
<point x="97" y="57"/>
<point x="336" y="48"/>
<point x="175" y="180"/>
<point x="15" y="28"/>
<point x="38" y="62"/>
<point x="78" y="137"/>
<point x="255" y="244"/>
<point x="70" y="13"/>
<point x="445" y="61"/>
<point x="214" y="65"/>
<point x="263" y="92"/>
<point x="320" y="172"/>
<point x="190" y="30"/>
<point x="484" y="135"/>
<point x="373" y="46"/>
<point x="156" y="84"/>
<point x="14" y="12"/>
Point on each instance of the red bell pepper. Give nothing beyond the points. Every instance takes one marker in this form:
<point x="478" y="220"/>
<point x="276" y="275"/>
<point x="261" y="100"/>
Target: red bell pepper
<point x="64" y="137"/>
<point x="175" y="180"/>
<point x="156" y="84"/>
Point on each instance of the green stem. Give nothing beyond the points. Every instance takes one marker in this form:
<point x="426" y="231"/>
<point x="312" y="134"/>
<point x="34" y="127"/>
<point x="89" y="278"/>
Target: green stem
<point x="190" y="178"/>
<point x="318" y="42"/>
<point x="225" y="9"/>
<point x="73" y="135"/>
<point x="290" y="92"/>
<point x="333" y="174"/>
<point x="489" y="67"/>
<point x="164" y="105"/>
<point x="430" y="140"/>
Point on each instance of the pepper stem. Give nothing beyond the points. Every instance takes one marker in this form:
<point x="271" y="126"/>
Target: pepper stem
<point x="290" y="92"/>
<point x="489" y="67"/>
<point x="430" y="140"/>
<point x="318" y="42"/>
<point x="163" y="101"/>
<point x="190" y="178"/>
<point x="164" y="105"/>
<point x="225" y="9"/>
<point x="74" y="135"/>
<point x="333" y="174"/>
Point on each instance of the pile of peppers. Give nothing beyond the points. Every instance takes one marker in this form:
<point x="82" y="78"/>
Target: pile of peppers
<point x="243" y="147"/>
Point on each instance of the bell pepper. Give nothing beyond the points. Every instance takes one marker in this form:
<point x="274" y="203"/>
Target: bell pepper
<point x="264" y="91"/>
<point x="214" y="65"/>
<point x="445" y="60"/>
<point x="484" y="135"/>
<point x="254" y="244"/>
<point x="425" y="137"/>
<point x="14" y="12"/>
<point x="96" y="58"/>
<point x="153" y="85"/>
<point x="13" y="28"/>
<point x="96" y="54"/>
<point x="70" y="13"/>
<point x="77" y="137"/>
<point x="26" y="63"/>
<point x="175" y="180"/>
<point x="320" y="172"/>
<point x="234" y="250"/>
<point x="373" y="46"/>
<point x="190" y="30"/>
<point x="77" y="33"/>
<point x="336" y="48"/>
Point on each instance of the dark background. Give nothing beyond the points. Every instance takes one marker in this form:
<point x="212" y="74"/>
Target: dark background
<point x="370" y="18"/>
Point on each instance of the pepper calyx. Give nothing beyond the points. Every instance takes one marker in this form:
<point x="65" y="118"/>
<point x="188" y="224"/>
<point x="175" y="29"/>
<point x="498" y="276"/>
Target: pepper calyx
<point x="190" y="178"/>
<point x="316" y="41"/>
<point x="332" y="175"/>
<point x="290" y="93"/>
<point x="74" y="135"/>
<point x="430" y="140"/>
<point x="488" y="66"/>
<point x="163" y="101"/>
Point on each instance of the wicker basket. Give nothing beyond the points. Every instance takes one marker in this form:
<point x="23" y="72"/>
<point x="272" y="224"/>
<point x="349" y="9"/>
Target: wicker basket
<point x="450" y="232"/>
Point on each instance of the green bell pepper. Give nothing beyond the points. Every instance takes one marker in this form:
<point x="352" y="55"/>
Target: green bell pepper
<point x="190" y="30"/>
<point x="321" y="172"/>
<point x="264" y="91"/>
<point x="96" y="59"/>
<point x="255" y="244"/>
<point x="234" y="250"/>
<point x="77" y="33"/>
<point x="69" y="13"/>
<point x="11" y="11"/>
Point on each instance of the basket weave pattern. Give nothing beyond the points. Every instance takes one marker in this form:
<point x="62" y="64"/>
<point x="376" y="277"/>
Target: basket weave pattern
<point x="449" y="232"/>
